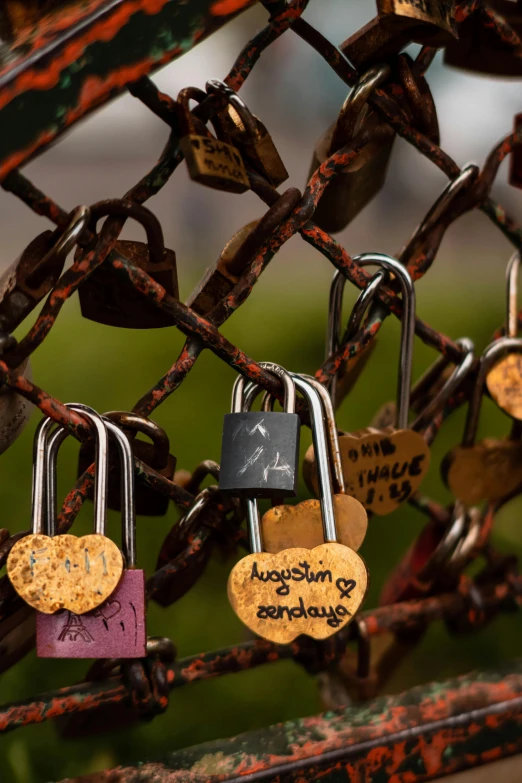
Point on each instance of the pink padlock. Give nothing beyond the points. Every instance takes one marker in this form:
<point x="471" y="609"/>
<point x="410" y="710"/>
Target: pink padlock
<point x="116" y="628"/>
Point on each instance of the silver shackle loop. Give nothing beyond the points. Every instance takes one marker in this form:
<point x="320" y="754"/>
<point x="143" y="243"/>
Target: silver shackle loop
<point x="407" y="328"/>
<point x="238" y="393"/>
<point x="40" y="504"/>
<point x="128" y="514"/>
<point x="512" y="271"/>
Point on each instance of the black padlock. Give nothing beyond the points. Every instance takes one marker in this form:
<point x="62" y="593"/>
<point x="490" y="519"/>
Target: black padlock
<point x="155" y="454"/>
<point x="260" y="450"/>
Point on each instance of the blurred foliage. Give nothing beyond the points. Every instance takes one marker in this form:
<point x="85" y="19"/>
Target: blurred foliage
<point x="110" y="369"/>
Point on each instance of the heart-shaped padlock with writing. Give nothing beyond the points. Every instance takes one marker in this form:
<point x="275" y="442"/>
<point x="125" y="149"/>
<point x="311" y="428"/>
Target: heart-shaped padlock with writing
<point x="383" y="468"/>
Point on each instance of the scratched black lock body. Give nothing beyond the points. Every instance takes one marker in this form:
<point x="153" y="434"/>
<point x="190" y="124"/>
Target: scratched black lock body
<point x="259" y="454"/>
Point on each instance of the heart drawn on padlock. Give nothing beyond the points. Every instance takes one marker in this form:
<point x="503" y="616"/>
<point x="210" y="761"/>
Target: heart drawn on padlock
<point x="108" y="610"/>
<point x="504" y="382"/>
<point x="298" y="591"/>
<point x="65" y="572"/>
<point x="489" y="470"/>
<point x="285" y="527"/>
<point x="383" y="468"/>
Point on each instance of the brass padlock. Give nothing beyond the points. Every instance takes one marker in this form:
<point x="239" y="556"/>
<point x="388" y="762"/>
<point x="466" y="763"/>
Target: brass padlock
<point x="250" y="135"/>
<point x="110" y="299"/>
<point x="375" y="43"/>
<point x="210" y="161"/>
<point x="32" y="276"/>
<point x="219" y="280"/>
<point x="480" y="48"/>
<point x="428" y="22"/>
<point x="156" y="455"/>
<point x="351" y="190"/>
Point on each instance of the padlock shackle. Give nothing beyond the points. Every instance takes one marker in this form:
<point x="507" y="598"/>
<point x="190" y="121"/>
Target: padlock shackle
<point x="67" y="239"/>
<point x="335" y="307"/>
<point x="158" y="436"/>
<point x="355" y="102"/>
<point x="192" y="124"/>
<point x="218" y="87"/>
<point x="438" y="211"/>
<point x="128" y="514"/>
<point x="129" y="209"/>
<point x="319" y="439"/>
<point x="40" y="505"/>
<point x="337" y="475"/>
<point x="39" y="516"/>
<point x="238" y="391"/>
<point x="315" y="406"/>
<point x="460" y="372"/>
<point x="512" y="271"/>
<point x="496" y="350"/>
<point x="407" y="328"/>
<point x="128" y="510"/>
<point x="101" y="473"/>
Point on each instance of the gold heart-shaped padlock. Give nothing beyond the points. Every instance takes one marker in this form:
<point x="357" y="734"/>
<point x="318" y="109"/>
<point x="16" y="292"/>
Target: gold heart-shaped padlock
<point x="284" y="527"/>
<point x="381" y="468"/>
<point x="489" y="470"/>
<point x="65" y="572"/>
<point x="504" y="356"/>
<point x="504" y="382"/>
<point x="298" y="591"/>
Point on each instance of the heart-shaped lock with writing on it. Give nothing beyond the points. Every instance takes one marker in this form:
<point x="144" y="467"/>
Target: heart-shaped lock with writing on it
<point x="284" y="527"/>
<point x="117" y="627"/>
<point x="299" y="591"/>
<point x="65" y="572"/>
<point x="383" y="468"/>
<point x="491" y="469"/>
<point x="504" y="377"/>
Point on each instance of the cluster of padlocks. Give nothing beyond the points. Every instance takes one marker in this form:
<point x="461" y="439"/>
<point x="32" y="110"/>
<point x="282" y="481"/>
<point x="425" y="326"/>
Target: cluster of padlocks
<point x="303" y="575"/>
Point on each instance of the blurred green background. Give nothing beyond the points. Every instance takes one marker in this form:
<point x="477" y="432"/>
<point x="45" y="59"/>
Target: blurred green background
<point x="283" y="322"/>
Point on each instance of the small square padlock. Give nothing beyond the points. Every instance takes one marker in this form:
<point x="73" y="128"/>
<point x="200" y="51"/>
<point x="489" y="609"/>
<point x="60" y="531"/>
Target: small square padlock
<point x="260" y="450"/>
<point x="210" y="161"/>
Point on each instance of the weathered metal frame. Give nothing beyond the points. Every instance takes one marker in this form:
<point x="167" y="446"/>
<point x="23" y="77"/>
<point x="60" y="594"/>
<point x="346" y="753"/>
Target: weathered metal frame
<point x="422" y="734"/>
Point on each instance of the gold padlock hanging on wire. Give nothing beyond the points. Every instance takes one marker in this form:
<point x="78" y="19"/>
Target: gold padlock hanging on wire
<point x="352" y="189"/>
<point x="250" y="135"/>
